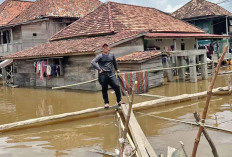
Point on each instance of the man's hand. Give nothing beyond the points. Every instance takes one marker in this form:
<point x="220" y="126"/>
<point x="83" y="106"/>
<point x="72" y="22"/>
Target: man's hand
<point x="101" y="71"/>
<point x="118" y="71"/>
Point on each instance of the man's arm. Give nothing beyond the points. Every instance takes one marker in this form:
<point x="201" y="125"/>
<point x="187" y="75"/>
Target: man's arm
<point x="95" y="64"/>
<point x="115" y="63"/>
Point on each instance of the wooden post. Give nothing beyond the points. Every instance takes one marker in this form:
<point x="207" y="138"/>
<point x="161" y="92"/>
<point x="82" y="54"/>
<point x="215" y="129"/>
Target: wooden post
<point x="193" y="70"/>
<point x="204" y="69"/>
<point x="128" y="136"/>
<point x="128" y="117"/>
<point x="209" y="94"/>
<point x="181" y="71"/>
<point x="168" y="64"/>
<point x="212" y="145"/>
<point x="120" y="133"/>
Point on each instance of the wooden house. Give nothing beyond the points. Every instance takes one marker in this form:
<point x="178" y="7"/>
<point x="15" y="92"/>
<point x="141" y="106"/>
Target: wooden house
<point x="144" y="61"/>
<point x="28" y="24"/>
<point x="210" y="17"/>
<point x="126" y="28"/>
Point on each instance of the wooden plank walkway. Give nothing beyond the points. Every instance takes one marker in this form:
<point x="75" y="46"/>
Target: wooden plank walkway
<point x="142" y="144"/>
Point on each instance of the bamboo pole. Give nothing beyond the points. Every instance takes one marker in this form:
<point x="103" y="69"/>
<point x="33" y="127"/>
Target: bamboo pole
<point x="209" y="94"/>
<point x="77" y="84"/>
<point x="182" y="146"/>
<point x="212" y="145"/>
<point x="127" y="135"/>
<point x="151" y="70"/>
<point x="119" y="132"/>
<point x="186" y="122"/>
<point x="128" y="116"/>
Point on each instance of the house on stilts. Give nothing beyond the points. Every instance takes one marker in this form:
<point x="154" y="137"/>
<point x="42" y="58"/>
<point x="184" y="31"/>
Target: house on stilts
<point x="210" y="17"/>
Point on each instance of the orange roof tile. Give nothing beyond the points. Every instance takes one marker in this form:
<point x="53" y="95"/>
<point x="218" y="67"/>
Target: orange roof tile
<point x="140" y="56"/>
<point x="75" y="46"/>
<point x="115" y="17"/>
<point x="9" y="9"/>
<point x="198" y="8"/>
<point x="56" y="8"/>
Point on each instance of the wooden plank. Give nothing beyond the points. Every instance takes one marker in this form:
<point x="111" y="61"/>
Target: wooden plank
<point x="127" y="135"/>
<point x="143" y="146"/>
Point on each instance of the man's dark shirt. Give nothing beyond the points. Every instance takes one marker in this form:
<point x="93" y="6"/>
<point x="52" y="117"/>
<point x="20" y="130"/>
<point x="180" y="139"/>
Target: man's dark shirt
<point x="105" y="62"/>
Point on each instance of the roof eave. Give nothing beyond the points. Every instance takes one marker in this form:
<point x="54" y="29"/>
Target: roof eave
<point x="25" y="23"/>
<point x="52" y="55"/>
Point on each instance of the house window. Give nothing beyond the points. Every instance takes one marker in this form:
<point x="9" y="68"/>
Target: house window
<point x="5" y="37"/>
<point x="182" y="46"/>
<point x="34" y="34"/>
<point x="52" y="67"/>
<point x="231" y="22"/>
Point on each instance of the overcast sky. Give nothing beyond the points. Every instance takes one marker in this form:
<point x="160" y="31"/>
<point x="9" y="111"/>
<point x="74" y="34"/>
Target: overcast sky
<point x="166" y="5"/>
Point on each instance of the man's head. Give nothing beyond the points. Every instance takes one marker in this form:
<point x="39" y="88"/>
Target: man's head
<point x="105" y="48"/>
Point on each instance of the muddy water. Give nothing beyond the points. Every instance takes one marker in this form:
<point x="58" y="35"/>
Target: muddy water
<point x="76" y="138"/>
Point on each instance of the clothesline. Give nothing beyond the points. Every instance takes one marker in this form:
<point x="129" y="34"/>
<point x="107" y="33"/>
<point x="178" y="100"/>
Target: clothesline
<point x="151" y="70"/>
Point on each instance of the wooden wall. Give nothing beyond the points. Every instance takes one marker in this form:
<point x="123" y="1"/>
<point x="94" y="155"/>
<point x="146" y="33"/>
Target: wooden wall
<point x="128" y="47"/>
<point x="23" y="72"/>
<point x="155" y="78"/>
<point x="43" y="30"/>
<point x="17" y="34"/>
<point x="76" y="69"/>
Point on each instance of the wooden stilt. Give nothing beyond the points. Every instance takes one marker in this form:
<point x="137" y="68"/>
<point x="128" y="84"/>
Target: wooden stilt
<point x="212" y="145"/>
<point x="209" y="94"/>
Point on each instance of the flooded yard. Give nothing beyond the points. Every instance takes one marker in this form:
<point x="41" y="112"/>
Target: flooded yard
<point x="76" y="138"/>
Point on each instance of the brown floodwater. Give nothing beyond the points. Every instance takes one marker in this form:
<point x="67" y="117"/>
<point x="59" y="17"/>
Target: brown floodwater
<point x="77" y="138"/>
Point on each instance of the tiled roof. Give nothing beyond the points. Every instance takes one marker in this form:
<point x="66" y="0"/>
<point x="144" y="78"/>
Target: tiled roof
<point x="9" y="9"/>
<point x="56" y="8"/>
<point x="139" y="56"/>
<point x="198" y="8"/>
<point x="115" y="17"/>
<point x="185" y="35"/>
<point x="70" y="47"/>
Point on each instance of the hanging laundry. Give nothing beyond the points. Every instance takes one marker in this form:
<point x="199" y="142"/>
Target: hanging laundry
<point x="38" y="68"/>
<point x="49" y="71"/>
<point x="53" y="73"/>
<point x="57" y="70"/>
<point x="42" y="69"/>
<point x="128" y="79"/>
<point x="35" y="66"/>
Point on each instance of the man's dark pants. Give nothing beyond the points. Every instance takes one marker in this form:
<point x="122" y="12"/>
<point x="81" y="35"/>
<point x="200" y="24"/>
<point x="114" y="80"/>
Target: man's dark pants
<point x="108" y="78"/>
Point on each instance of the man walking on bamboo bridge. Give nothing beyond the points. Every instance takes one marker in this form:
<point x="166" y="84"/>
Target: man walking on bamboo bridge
<point x="106" y="65"/>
